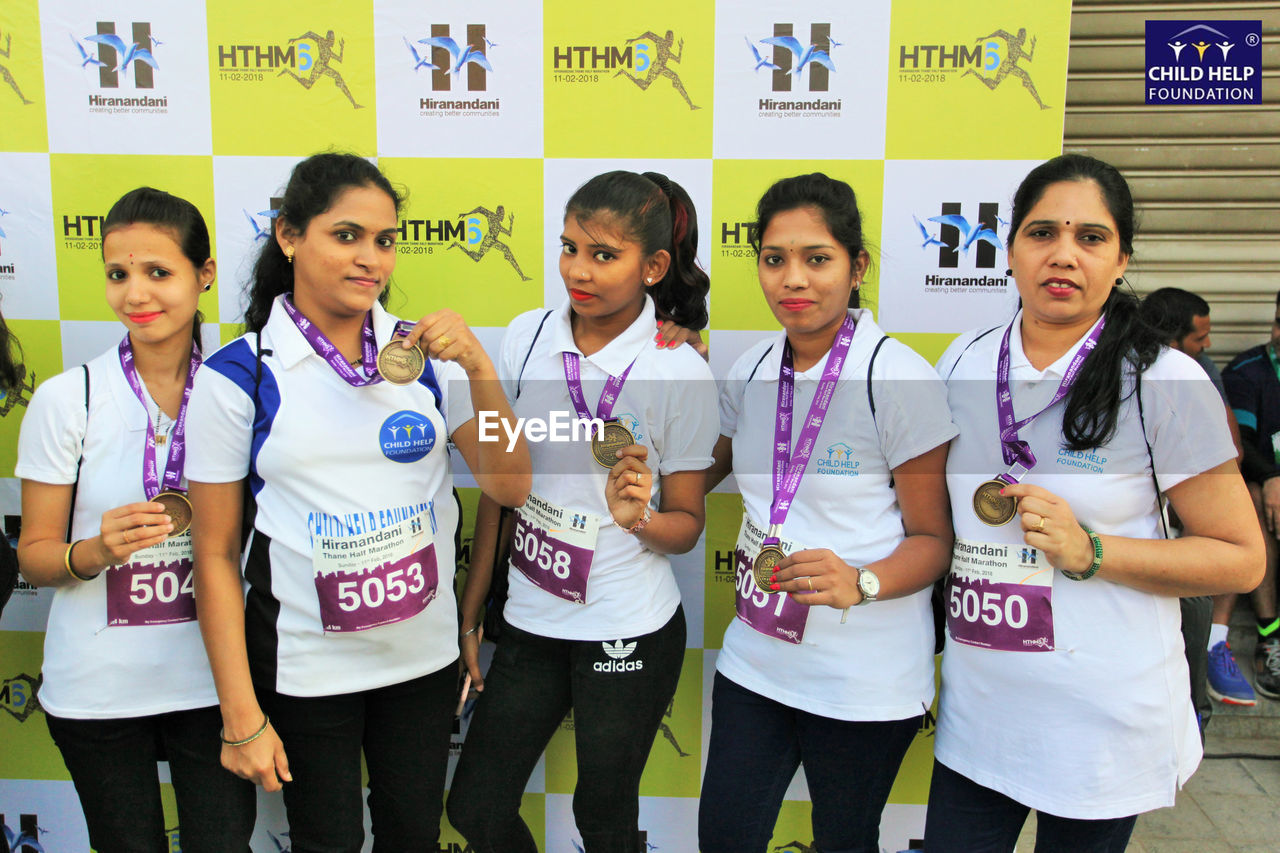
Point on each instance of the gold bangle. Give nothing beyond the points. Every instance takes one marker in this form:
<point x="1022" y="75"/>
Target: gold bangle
<point x="66" y="562"/>
<point x="266" y="721"/>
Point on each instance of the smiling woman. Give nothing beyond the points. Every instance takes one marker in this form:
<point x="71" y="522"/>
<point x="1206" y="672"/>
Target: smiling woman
<point x="346" y="645"/>
<point x="102" y="463"/>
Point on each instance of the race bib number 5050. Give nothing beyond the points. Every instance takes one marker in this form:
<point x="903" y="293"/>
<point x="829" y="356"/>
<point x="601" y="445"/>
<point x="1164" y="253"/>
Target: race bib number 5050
<point x="1000" y="596"/>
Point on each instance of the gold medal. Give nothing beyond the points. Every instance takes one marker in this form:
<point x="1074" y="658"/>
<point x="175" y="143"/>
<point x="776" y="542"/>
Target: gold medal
<point x="765" y="565"/>
<point x="398" y="365"/>
<point x="991" y="507"/>
<point x="178" y="508"/>
<point x="606" y="444"/>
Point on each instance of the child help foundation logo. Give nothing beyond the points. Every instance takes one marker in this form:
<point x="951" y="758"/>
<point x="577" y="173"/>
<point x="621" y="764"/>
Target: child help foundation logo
<point x="1204" y="62"/>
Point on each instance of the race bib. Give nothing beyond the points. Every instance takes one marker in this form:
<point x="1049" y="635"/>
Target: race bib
<point x="376" y="578"/>
<point x="553" y="547"/>
<point x="155" y="587"/>
<point x="772" y="614"/>
<point x="1000" y="596"/>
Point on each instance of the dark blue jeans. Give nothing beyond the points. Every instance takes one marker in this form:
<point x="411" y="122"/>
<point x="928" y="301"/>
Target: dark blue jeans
<point x="113" y="766"/>
<point x="965" y="817"/>
<point x="756" y="746"/>
<point x="403" y="731"/>
<point x="618" y="702"/>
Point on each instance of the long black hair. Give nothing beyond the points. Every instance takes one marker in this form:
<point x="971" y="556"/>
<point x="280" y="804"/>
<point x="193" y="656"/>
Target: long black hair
<point x="834" y="200"/>
<point x="151" y="206"/>
<point x="658" y="214"/>
<point x="1093" y="405"/>
<point x="314" y="185"/>
<point x="12" y="370"/>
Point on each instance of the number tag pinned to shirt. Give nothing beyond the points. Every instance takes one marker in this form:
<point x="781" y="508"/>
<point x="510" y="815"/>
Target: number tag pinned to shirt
<point x="375" y="578"/>
<point x="155" y="587"/>
<point x="553" y="547"/>
<point x="1000" y="596"/>
<point x="775" y="616"/>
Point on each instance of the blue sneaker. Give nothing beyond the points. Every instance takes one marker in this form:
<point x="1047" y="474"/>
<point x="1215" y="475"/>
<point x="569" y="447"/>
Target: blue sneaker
<point x="1226" y="683"/>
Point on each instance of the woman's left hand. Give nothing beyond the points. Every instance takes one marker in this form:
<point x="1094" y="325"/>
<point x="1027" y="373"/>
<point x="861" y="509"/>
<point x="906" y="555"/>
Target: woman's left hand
<point x="1049" y="525"/>
<point x="630" y="486"/>
<point x="447" y="337"/>
<point x="818" y="576"/>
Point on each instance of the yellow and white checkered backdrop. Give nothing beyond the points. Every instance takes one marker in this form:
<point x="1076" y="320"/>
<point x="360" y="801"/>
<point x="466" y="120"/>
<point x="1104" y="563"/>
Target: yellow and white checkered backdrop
<point x="926" y="108"/>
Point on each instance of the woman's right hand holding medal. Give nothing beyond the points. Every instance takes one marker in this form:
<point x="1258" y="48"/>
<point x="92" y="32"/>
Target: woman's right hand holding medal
<point x="629" y="487"/>
<point x="447" y="337"/>
<point x="128" y="529"/>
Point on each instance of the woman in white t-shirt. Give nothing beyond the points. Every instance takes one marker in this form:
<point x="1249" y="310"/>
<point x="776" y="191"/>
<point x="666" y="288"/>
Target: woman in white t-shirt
<point x="346" y="642"/>
<point x="101" y="458"/>
<point x="593" y="621"/>
<point x="845" y="508"/>
<point x="1064" y="685"/>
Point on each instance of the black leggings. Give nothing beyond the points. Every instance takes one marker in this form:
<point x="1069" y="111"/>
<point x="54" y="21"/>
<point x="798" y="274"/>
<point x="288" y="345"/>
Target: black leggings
<point x="618" y="691"/>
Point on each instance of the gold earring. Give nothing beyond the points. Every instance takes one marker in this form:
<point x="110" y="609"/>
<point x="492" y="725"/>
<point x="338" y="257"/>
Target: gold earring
<point x="288" y="254"/>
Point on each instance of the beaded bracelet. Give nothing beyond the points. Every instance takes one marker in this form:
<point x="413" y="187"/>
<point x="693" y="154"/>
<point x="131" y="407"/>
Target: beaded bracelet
<point x="1097" y="559"/>
<point x="66" y="562"/>
<point x="266" y="721"/>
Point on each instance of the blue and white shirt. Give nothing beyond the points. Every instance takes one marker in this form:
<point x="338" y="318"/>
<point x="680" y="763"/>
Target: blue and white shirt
<point x="327" y="459"/>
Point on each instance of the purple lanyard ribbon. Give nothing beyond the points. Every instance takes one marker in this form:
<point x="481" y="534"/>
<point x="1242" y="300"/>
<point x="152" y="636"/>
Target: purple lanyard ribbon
<point x="326" y="350"/>
<point x="608" y="396"/>
<point x="176" y="460"/>
<point x="1017" y="453"/>
<point x="788" y="467"/>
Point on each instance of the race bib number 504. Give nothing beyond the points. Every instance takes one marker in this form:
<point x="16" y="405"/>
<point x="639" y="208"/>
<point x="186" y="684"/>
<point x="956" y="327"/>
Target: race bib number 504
<point x="155" y="587"/>
<point x="1000" y="596"/>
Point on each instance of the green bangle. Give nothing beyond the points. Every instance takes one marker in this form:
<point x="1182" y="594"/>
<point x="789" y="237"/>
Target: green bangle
<point x="222" y="733"/>
<point x="1097" y="559"/>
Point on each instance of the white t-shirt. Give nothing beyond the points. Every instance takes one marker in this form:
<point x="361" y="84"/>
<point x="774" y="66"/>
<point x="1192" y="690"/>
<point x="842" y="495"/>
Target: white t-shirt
<point x="668" y="402"/>
<point x="1102" y="726"/>
<point x="879" y="664"/>
<point x="92" y="671"/>
<point x="328" y="460"/>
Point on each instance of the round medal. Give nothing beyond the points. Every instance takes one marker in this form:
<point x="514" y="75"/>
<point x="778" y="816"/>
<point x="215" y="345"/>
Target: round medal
<point x="991" y="507"/>
<point x="763" y="568"/>
<point x="398" y="365"/>
<point x="178" y="508"/>
<point x="606" y="444"/>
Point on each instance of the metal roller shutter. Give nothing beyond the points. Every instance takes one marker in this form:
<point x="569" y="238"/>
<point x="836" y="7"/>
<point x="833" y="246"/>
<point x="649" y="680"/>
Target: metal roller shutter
<point x="1206" y="179"/>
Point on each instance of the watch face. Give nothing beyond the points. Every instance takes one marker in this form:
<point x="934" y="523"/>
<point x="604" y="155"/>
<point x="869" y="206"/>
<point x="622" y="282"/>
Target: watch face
<point x="868" y="583"/>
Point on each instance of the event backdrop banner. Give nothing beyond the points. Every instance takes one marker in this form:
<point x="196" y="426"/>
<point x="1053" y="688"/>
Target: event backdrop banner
<point x="487" y="116"/>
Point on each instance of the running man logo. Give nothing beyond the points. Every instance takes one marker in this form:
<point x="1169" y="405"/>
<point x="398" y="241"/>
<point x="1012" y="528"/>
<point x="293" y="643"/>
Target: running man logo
<point x="991" y="60"/>
<point x="791" y="57"/>
<point x="642" y="60"/>
<point x="6" y="75"/>
<point x="26" y="838"/>
<point x="19" y="696"/>
<point x="474" y="233"/>
<point x="116" y="59"/>
<point x="18" y="396"/>
<point x="664" y="728"/>
<point x="309" y="52"/>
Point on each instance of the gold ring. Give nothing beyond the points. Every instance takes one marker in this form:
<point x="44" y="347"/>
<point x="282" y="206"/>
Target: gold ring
<point x="125" y="535"/>
<point x="636" y="474"/>
<point x="444" y="341"/>
<point x="810" y="580"/>
<point x="1040" y="526"/>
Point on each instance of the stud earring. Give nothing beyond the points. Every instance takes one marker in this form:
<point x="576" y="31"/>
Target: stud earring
<point x="1008" y="272"/>
<point x="205" y="289"/>
<point x="649" y="280"/>
<point x="1119" y="281"/>
<point x="288" y="254"/>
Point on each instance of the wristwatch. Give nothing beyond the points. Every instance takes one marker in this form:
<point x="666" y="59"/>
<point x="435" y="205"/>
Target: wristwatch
<point x="868" y="585"/>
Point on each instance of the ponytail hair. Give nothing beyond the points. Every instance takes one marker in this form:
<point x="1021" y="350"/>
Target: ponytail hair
<point x="833" y="199"/>
<point x="150" y="206"/>
<point x="658" y="214"/>
<point x="313" y="187"/>
<point x="1092" y="410"/>
<point x="12" y="371"/>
